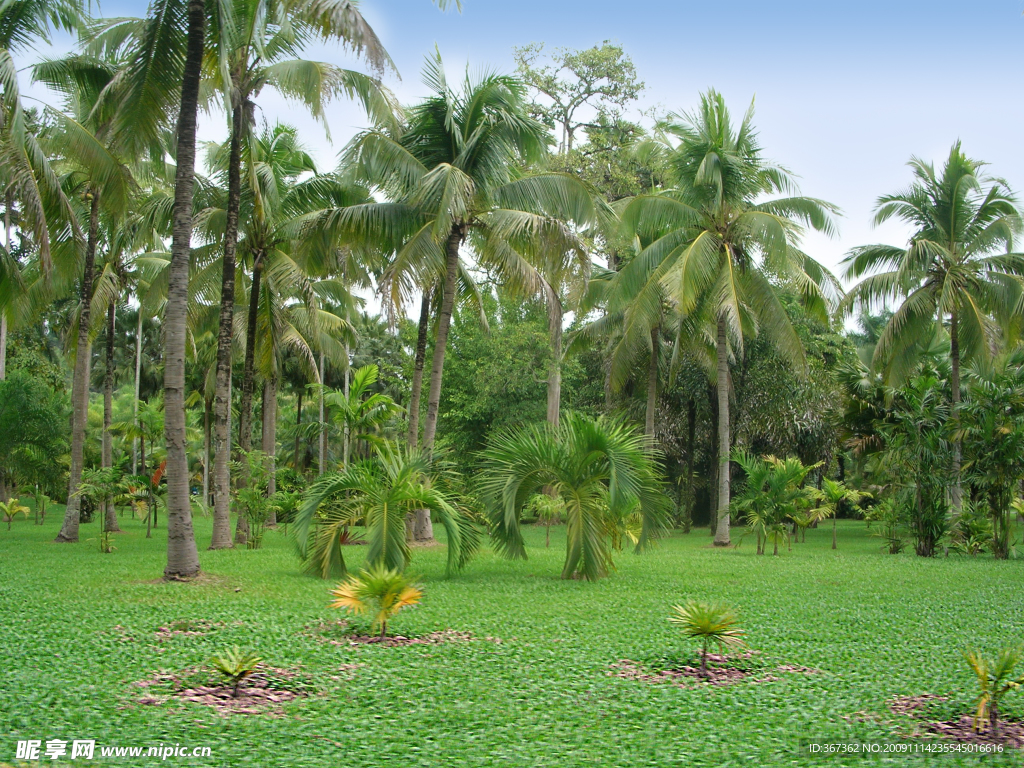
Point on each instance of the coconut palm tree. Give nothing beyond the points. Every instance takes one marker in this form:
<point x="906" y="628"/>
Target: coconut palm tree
<point x="454" y="175"/>
<point x="958" y="266"/>
<point x="715" y="240"/>
<point x="602" y="471"/>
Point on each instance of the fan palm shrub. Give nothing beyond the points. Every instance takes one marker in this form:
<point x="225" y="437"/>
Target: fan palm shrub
<point x="708" y="623"/>
<point x="380" y="492"/>
<point x="380" y="591"/>
<point x="602" y="470"/>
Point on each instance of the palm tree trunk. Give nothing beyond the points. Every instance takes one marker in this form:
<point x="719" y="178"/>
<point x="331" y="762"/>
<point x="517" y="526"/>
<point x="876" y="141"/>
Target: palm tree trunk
<point x="555" y="319"/>
<point x="323" y="432"/>
<point x="270" y="439"/>
<point x="207" y="441"/>
<point x="248" y="384"/>
<point x="80" y="380"/>
<point x="417" y="371"/>
<point x="722" y="351"/>
<point x="8" y="202"/>
<point x="296" y="463"/>
<point x="652" y="384"/>
<point x="424" y="529"/>
<point x="691" y="434"/>
<point x="225" y="334"/>
<point x="107" y="459"/>
<point x="956" y="492"/>
<point x="135" y="404"/>
<point x="182" y="555"/>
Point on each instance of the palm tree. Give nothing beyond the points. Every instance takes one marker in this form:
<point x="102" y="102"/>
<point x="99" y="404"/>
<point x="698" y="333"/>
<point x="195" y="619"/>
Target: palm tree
<point x="454" y="175"/>
<point x="833" y="495"/>
<point x="708" y="623"/>
<point x="379" y="590"/>
<point x="86" y="147"/>
<point x="715" y="240"/>
<point x="602" y="471"/>
<point x="380" y="492"/>
<point x="360" y="413"/>
<point x="958" y="266"/>
<point x="257" y="53"/>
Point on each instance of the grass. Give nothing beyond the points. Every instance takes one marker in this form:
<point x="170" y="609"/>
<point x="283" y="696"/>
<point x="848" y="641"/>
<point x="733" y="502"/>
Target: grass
<point x="876" y="626"/>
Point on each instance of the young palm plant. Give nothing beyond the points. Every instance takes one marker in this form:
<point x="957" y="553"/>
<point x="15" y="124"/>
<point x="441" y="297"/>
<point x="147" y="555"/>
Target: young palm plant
<point x="834" y="494"/>
<point x="235" y="665"/>
<point x="381" y="591"/>
<point x="995" y="680"/>
<point x="708" y="623"/>
<point x="601" y="469"/>
<point x="379" y="492"/>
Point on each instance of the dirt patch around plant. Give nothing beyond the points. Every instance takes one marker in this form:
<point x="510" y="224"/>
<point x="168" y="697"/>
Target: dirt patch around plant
<point x="263" y="692"/>
<point x="340" y="632"/>
<point x="959" y="729"/>
<point x="722" y="669"/>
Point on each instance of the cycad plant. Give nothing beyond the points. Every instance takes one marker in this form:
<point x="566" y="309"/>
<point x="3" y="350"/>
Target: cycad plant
<point x="380" y="591"/>
<point x="379" y="492"/>
<point x="995" y="680"/>
<point x="708" y="623"/>
<point x="601" y="469"/>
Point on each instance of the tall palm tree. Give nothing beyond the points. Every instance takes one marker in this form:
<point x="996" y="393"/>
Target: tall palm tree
<point x="258" y="52"/>
<point x="958" y="266"/>
<point x="86" y="147"/>
<point x="455" y="174"/>
<point x="715" y="240"/>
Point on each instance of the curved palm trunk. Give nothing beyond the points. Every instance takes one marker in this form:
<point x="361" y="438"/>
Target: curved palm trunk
<point x="417" y="372"/>
<point x="956" y="493"/>
<point x="424" y="530"/>
<point x="722" y="352"/>
<point x="182" y="555"/>
<point x="555" y="372"/>
<point x="270" y="439"/>
<point x="80" y="381"/>
<point x="107" y="459"/>
<point x="652" y="384"/>
<point x="222" y="396"/>
<point x="248" y="384"/>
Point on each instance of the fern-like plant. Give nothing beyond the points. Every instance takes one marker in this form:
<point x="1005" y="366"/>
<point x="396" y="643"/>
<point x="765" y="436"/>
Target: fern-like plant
<point x="235" y="665"/>
<point x="380" y="591"/>
<point x="708" y="623"/>
<point x="995" y="680"/>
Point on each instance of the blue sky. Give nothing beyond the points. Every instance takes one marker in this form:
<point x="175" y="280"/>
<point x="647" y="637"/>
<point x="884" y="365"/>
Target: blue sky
<point x="845" y="92"/>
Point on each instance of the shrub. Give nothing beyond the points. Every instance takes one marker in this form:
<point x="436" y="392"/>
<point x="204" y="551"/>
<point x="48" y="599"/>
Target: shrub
<point x="235" y="665"/>
<point x="10" y="508"/>
<point x="995" y="680"/>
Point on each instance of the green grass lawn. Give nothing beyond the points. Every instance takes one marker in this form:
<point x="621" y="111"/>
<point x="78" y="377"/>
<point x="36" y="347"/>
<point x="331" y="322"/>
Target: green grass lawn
<point x="876" y="626"/>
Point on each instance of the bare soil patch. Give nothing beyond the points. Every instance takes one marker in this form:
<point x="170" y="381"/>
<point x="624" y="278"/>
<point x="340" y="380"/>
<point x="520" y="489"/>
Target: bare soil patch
<point x="959" y="729"/>
<point x="341" y="632"/>
<point x="263" y="692"/>
<point x="723" y="669"/>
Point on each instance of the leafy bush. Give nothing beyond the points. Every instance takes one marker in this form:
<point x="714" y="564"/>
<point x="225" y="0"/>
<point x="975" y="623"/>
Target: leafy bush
<point x="380" y="591"/>
<point x="995" y="680"/>
<point x="708" y="623"/>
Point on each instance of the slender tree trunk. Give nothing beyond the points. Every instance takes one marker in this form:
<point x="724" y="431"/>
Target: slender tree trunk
<point x="225" y="335"/>
<point x="555" y="371"/>
<point x="417" y="371"/>
<point x="80" y="380"/>
<point x="323" y="432"/>
<point x="722" y="351"/>
<point x="298" y="423"/>
<point x="182" y="555"/>
<point x="270" y="439"/>
<point x="207" y="441"/>
<point x="107" y="459"/>
<point x="956" y="492"/>
<point x="652" y="384"/>
<point x="424" y="528"/>
<point x="691" y="434"/>
<point x="248" y="384"/>
<point x="8" y="203"/>
<point x="135" y="403"/>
